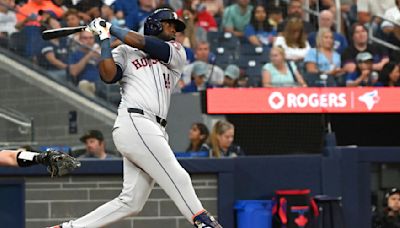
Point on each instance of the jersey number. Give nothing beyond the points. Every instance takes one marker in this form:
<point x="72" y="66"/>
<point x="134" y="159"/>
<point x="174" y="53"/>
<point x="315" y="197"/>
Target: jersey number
<point x="167" y="81"/>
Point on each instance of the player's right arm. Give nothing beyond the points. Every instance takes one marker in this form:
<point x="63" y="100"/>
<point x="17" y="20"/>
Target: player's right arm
<point x="110" y="71"/>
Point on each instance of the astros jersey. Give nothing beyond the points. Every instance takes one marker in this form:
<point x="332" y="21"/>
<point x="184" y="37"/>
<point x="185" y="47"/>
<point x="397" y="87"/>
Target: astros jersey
<point x="147" y="83"/>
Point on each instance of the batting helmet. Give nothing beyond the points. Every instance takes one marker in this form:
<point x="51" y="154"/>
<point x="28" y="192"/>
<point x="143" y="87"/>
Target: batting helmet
<point x="153" y="26"/>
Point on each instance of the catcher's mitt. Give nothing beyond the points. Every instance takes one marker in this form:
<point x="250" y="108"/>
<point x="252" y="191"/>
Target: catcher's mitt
<point x="58" y="163"/>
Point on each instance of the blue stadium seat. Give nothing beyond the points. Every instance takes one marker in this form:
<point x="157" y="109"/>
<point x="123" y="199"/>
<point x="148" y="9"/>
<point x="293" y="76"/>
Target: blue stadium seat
<point x="254" y="76"/>
<point x="261" y="53"/>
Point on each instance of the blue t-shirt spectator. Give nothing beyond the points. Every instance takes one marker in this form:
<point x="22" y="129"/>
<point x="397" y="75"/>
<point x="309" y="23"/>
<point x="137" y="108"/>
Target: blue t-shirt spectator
<point x="60" y="52"/>
<point x="322" y="61"/>
<point x="340" y="42"/>
<point x="90" y="72"/>
<point x="262" y="35"/>
<point x="131" y="11"/>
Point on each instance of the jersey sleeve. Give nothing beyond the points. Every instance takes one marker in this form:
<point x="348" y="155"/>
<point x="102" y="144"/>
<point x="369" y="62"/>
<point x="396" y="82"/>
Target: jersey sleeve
<point x="177" y="58"/>
<point x="120" y="56"/>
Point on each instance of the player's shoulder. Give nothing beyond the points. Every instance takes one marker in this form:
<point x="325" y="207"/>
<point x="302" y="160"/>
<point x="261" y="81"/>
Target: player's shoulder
<point x="175" y="44"/>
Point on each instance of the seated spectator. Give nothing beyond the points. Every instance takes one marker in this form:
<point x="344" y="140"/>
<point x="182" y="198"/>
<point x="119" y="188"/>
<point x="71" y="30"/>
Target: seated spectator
<point x="294" y="40"/>
<point x="393" y="15"/>
<point x="181" y="38"/>
<point x="236" y="17"/>
<point x="8" y="20"/>
<point x="54" y="54"/>
<point x="326" y="19"/>
<point x="364" y="75"/>
<point x="95" y="145"/>
<point x="201" y="16"/>
<point x="295" y="9"/>
<point x="193" y="31"/>
<point x="89" y="9"/>
<point x="390" y="217"/>
<point x="368" y="8"/>
<point x="360" y="44"/>
<point x="232" y="74"/>
<point x="221" y="140"/>
<point x="324" y="59"/>
<point x="281" y="73"/>
<point x="71" y="18"/>
<point x="198" y="135"/>
<point x="107" y="13"/>
<point x="83" y="64"/>
<point x="214" y="76"/>
<point x="275" y="16"/>
<point x="198" y="82"/>
<point x="390" y="74"/>
<point x="29" y="24"/>
<point x="259" y="31"/>
<point x="127" y="12"/>
<point x="214" y="7"/>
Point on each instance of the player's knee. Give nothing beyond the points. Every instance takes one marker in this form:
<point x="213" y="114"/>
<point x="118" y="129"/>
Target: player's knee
<point x="133" y="207"/>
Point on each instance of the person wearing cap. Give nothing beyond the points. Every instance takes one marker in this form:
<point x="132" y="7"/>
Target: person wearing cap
<point x="390" y="217"/>
<point x="95" y="145"/>
<point x="364" y="74"/>
<point x="198" y="82"/>
<point x="232" y="73"/>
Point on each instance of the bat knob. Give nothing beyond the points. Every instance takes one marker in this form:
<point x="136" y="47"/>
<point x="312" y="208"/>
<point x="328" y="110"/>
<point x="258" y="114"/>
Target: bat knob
<point x="103" y="23"/>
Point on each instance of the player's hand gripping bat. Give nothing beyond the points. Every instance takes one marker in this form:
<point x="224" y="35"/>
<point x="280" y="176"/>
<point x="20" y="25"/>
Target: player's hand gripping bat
<point x="62" y="32"/>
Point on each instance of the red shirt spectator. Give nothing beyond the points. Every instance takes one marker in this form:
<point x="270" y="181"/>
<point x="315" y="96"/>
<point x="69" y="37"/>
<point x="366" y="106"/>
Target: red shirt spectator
<point x="33" y="7"/>
<point x="204" y="20"/>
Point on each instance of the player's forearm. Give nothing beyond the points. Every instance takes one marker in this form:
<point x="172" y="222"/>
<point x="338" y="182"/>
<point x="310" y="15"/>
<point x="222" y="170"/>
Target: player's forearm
<point x="107" y="67"/>
<point x="130" y="38"/>
<point x="8" y="158"/>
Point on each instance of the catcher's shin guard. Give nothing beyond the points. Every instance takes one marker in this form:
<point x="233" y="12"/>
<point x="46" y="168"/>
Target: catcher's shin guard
<point x="205" y="220"/>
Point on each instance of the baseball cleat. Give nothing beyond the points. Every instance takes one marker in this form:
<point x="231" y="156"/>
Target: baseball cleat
<point x="205" y="220"/>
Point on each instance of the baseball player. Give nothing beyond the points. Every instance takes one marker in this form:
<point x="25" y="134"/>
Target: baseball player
<point x="147" y="67"/>
<point x="57" y="163"/>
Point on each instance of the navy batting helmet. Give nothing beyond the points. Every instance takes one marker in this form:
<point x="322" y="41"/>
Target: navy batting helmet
<point x="153" y="27"/>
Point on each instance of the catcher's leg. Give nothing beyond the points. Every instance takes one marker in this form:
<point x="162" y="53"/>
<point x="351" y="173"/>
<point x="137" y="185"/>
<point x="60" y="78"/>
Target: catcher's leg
<point x="136" y="190"/>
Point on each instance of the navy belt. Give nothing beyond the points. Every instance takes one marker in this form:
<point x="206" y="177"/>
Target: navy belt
<point x="159" y="120"/>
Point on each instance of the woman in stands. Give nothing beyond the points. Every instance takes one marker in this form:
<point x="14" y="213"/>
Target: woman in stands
<point x="198" y="135"/>
<point x="260" y="32"/>
<point x="389" y="75"/>
<point x="294" y="40"/>
<point x="324" y="59"/>
<point x="281" y="73"/>
<point x="221" y="140"/>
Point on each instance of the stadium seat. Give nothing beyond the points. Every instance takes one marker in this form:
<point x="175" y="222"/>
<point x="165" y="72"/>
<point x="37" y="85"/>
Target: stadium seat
<point x="254" y="76"/>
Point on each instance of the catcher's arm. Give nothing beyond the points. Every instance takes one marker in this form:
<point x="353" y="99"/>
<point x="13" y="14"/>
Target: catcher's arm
<point x="57" y="163"/>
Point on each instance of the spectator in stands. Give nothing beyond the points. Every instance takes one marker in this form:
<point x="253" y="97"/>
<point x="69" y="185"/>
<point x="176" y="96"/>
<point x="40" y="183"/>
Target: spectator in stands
<point x="181" y="38"/>
<point x="198" y="78"/>
<point x="326" y="19"/>
<point x="393" y="15"/>
<point x="236" y="17"/>
<point x="198" y="136"/>
<point x="275" y="16"/>
<point x="145" y="9"/>
<point x="390" y="74"/>
<point x="214" y="7"/>
<point x="127" y="13"/>
<point x="295" y="9"/>
<point x="221" y="140"/>
<point x="324" y="59"/>
<point x="259" y="31"/>
<point x="29" y="24"/>
<point x="215" y="75"/>
<point x="232" y="74"/>
<point x="390" y="218"/>
<point x="90" y="9"/>
<point x="95" y="145"/>
<point x="198" y="11"/>
<point x="83" y="64"/>
<point x="281" y="73"/>
<point x="54" y="54"/>
<point x="107" y="13"/>
<point x="364" y="75"/>
<point x="368" y="8"/>
<point x="71" y="18"/>
<point x="294" y="40"/>
<point x="8" y="20"/>
<point x="360" y="44"/>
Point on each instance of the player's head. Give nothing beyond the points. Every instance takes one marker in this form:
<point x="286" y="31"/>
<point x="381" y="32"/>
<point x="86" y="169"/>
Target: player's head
<point x="163" y="23"/>
<point x="392" y="198"/>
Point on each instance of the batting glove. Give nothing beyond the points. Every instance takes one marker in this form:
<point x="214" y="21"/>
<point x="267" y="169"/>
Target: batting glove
<point x="100" y="27"/>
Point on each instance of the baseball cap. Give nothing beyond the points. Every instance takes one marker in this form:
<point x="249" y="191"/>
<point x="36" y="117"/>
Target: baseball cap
<point x="199" y="69"/>
<point x="92" y="134"/>
<point x="391" y="192"/>
<point x="364" y="56"/>
<point x="232" y="71"/>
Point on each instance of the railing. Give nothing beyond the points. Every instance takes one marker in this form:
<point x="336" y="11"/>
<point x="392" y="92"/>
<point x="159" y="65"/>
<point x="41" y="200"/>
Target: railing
<point x="374" y="39"/>
<point x="25" y="125"/>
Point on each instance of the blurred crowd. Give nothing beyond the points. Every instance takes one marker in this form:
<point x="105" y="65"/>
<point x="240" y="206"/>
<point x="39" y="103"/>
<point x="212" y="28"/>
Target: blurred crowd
<point x="229" y="43"/>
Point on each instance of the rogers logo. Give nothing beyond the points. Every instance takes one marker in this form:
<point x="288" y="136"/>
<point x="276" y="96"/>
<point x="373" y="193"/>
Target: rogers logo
<point x="314" y="100"/>
<point x="370" y="99"/>
<point x="276" y="100"/>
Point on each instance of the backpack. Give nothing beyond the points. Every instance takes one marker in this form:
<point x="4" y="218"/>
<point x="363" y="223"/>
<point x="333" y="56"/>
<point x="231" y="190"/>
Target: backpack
<point x="294" y="209"/>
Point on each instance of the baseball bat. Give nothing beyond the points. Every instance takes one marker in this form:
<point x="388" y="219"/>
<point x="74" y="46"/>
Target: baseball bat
<point x="61" y="32"/>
